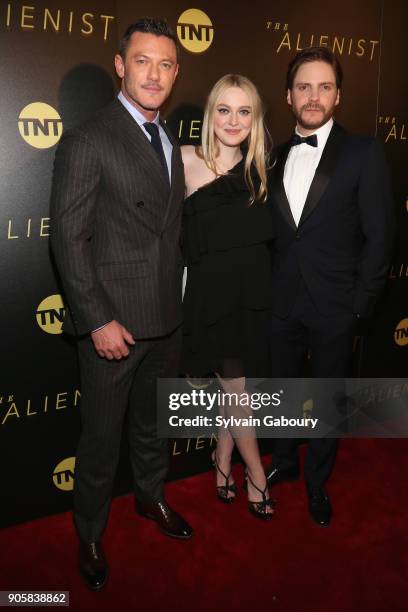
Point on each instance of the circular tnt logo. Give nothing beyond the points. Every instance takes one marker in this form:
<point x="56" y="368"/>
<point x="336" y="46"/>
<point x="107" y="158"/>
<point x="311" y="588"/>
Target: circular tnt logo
<point x="401" y="333"/>
<point x="63" y="476"/>
<point x="199" y="383"/>
<point x="50" y="314"/>
<point x="40" y="125"/>
<point x="195" y="30"/>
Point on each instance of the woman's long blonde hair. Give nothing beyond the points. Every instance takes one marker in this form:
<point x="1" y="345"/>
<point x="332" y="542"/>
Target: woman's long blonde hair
<point x="257" y="153"/>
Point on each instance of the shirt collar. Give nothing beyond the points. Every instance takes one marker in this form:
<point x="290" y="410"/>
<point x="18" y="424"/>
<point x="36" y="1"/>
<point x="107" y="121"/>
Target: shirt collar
<point x="136" y="114"/>
<point x="322" y="133"/>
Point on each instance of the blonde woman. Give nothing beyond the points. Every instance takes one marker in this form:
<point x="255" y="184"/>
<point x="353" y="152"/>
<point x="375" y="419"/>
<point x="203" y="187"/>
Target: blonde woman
<point x="227" y="227"/>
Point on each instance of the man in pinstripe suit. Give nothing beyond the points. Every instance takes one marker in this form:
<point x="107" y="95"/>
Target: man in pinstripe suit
<point x="116" y="202"/>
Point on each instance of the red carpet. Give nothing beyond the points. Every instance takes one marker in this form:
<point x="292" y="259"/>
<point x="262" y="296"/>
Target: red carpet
<point x="235" y="562"/>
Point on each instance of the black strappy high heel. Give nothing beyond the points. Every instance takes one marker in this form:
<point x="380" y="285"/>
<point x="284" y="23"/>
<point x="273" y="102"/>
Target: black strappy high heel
<point x="258" y="509"/>
<point x="223" y="490"/>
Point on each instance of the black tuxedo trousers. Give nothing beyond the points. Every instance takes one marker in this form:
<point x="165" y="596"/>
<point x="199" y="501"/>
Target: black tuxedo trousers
<point x="328" y="341"/>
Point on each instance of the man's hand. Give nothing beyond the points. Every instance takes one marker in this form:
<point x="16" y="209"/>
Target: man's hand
<point x="111" y="342"/>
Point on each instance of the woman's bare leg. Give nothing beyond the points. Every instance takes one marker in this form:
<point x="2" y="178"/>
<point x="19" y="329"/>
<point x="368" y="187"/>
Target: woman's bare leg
<point x="225" y="446"/>
<point x="247" y="444"/>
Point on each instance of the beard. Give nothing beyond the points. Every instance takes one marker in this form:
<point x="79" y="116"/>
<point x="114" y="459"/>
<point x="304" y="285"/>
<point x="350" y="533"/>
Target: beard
<point x="313" y="123"/>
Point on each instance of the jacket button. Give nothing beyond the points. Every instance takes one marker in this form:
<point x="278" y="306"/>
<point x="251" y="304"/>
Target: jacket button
<point x="297" y="237"/>
<point x="140" y="204"/>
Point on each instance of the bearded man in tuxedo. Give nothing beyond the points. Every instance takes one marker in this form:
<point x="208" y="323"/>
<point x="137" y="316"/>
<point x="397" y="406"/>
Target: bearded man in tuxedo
<point x="334" y="218"/>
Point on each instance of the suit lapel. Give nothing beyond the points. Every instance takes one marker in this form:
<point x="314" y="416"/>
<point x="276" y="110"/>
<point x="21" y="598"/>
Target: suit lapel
<point x="324" y="170"/>
<point x="128" y="131"/>
<point x="117" y="118"/>
<point x="176" y="173"/>
<point x="278" y="187"/>
<point x="173" y="154"/>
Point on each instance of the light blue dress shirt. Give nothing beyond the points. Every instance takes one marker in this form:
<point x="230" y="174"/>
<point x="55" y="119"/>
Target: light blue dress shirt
<point x="140" y="120"/>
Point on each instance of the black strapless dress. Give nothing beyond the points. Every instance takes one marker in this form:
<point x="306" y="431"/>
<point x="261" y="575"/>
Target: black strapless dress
<point x="228" y="289"/>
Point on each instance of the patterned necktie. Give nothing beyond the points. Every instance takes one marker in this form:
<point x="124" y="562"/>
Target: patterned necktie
<point x="297" y="140"/>
<point x="156" y="143"/>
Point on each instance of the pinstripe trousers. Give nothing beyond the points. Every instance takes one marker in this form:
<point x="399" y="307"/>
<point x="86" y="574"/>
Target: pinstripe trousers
<point x="115" y="394"/>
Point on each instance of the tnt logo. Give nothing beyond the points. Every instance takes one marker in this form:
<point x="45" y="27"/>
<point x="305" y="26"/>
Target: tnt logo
<point x="50" y="314"/>
<point x="199" y="383"/>
<point x="63" y="476"/>
<point x="401" y="333"/>
<point x="195" y="30"/>
<point x="40" y="125"/>
<point x="308" y="409"/>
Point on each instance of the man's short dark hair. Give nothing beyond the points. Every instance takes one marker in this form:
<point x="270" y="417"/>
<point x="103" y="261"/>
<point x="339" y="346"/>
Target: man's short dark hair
<point x="314" y="54"/>
<point x="147" y="25"/>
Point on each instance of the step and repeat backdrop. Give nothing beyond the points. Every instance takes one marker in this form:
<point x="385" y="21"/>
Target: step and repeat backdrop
<point x="56" y="71"/>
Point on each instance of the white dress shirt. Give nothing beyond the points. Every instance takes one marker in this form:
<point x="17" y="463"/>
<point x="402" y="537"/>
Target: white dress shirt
<point x="300" y="169"/>
<point x="140" y="120"/>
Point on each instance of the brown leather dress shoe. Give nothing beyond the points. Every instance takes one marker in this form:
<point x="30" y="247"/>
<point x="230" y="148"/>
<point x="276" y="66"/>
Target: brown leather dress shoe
<point x="169" y="522"/>
<point x="93" y="565"/>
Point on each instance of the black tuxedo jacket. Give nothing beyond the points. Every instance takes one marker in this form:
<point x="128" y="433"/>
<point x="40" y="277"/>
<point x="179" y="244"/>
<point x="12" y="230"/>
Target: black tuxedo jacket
<point x="343" y="244"/>
<point x="115" y="227"/>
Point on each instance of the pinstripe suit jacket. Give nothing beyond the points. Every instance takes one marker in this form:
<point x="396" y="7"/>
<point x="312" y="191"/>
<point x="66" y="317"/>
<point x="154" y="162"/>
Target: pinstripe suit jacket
<point x="115" y="228"/>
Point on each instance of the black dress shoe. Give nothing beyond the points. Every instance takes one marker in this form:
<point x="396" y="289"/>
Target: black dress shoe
<point x="93" y="565"/>
<point x="319" y="507"/>
<point x="169" y="522"/>
<point x="276" y="474"/>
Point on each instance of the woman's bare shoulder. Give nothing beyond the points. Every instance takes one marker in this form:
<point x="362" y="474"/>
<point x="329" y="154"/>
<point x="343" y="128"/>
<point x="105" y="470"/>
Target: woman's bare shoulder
<point x="189" y="155"/>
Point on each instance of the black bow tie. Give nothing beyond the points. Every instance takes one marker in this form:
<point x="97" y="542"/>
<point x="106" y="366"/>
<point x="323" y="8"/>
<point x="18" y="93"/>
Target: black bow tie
<point x="297" y="140"/>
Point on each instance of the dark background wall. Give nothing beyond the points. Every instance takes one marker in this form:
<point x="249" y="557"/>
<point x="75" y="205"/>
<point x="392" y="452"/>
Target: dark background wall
<point x="60" y="54"/>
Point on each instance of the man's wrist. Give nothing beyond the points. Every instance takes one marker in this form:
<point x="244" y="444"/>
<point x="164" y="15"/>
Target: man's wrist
<point x="101" y="327"/>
